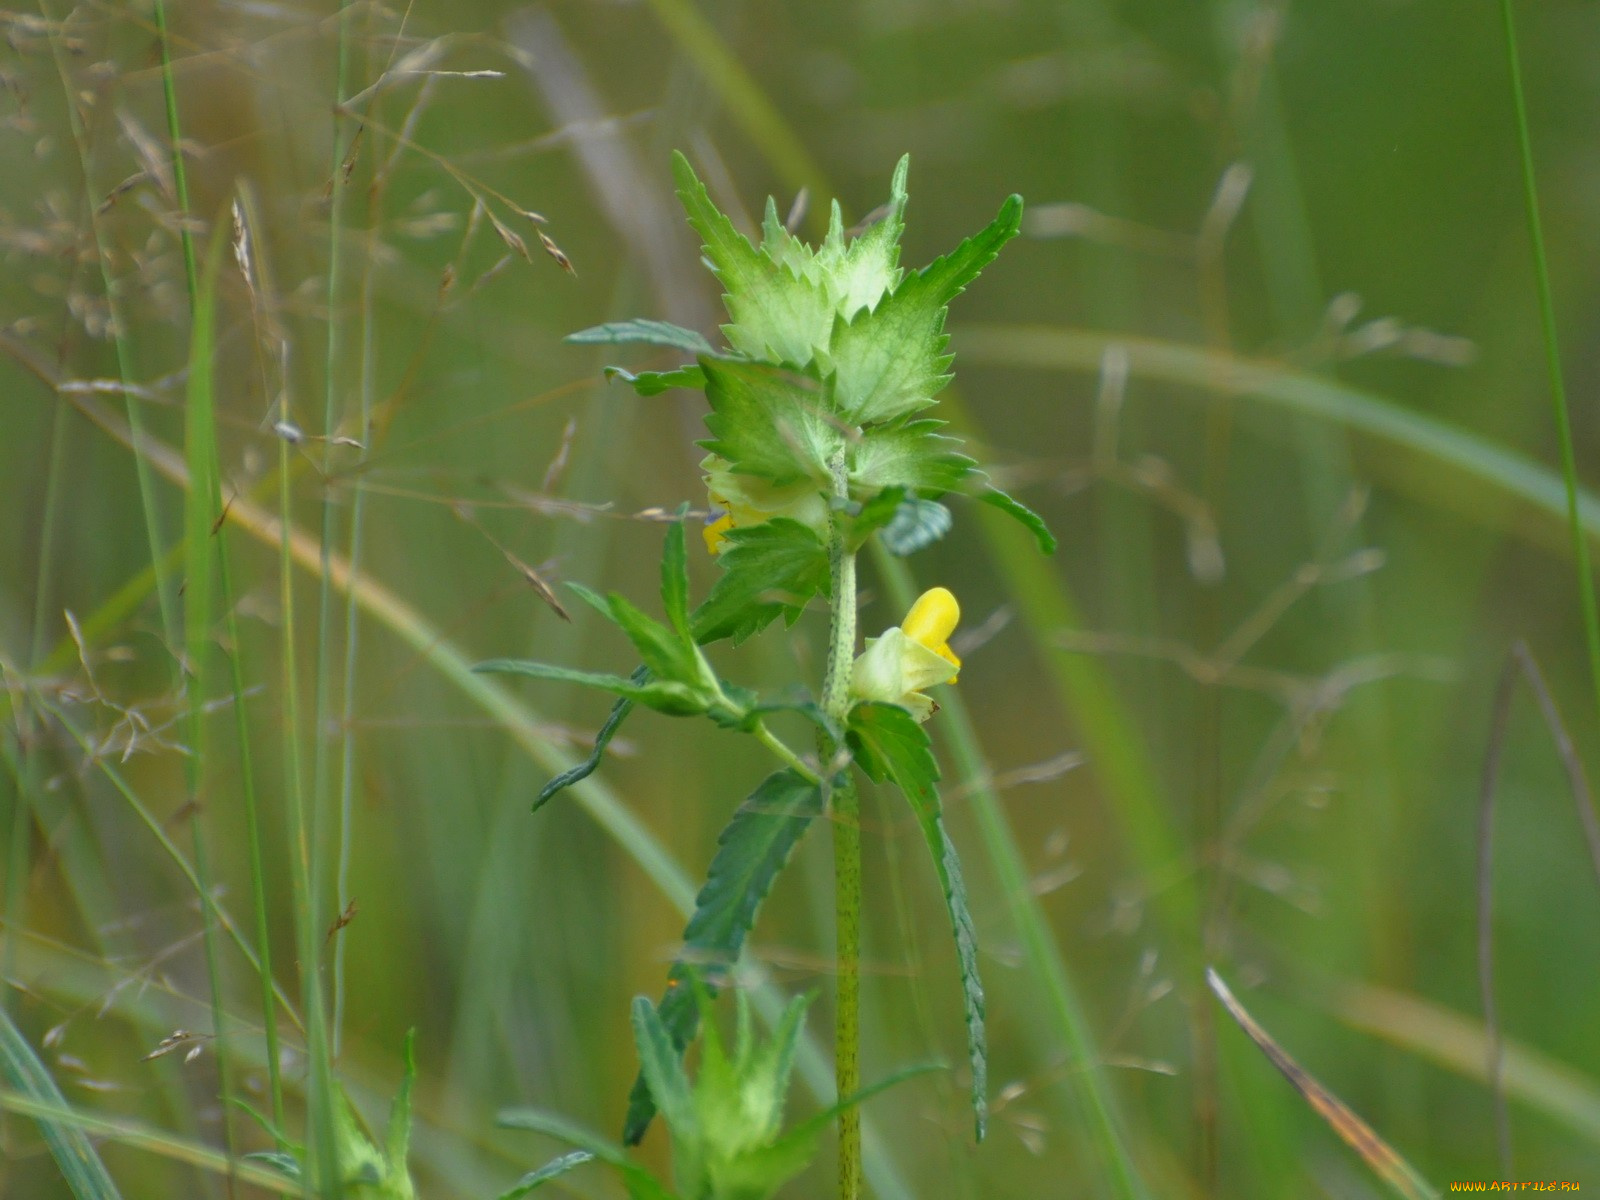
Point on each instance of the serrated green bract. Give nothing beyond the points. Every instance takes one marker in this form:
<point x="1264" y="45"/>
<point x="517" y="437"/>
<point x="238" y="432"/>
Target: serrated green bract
<point x="890" y="360"/>
<point x="770" y="422"/>
<point x="779" y="314"/>
<point x="368" y="1171"/>
<point x="768" y="570"/>
<point x="751" y="851"/>
<point x="889" y="744"/>
<point x="913" y="455"/>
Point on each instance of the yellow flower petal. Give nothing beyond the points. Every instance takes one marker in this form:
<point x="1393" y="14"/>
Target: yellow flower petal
<point x="932" y="619"/>
<point x="716" y="532"/>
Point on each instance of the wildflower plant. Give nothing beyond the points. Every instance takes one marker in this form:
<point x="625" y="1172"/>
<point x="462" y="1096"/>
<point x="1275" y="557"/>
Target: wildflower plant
<point x="820" y="440"/>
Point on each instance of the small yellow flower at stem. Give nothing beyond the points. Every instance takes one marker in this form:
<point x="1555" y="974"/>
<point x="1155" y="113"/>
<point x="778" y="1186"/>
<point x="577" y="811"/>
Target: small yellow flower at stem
<point x="717" y="531"/>
<point x="913" y="656"/>
<point x="931" y="621"/>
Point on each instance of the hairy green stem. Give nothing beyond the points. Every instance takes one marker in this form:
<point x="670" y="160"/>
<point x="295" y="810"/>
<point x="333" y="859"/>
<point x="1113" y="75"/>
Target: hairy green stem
<point x="846" y="806"/>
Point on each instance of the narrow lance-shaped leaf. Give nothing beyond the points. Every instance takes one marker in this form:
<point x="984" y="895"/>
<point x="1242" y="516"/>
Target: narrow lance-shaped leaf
<point x="675" y="699"/>
<point x="1013" y="507"/>
<point x="675" y="581"/>
<point x="644" y="330"/>
<point x="639" y="1181"/>
<point x="889" y="744"/>
<point x="752" y="850"/>
<point x="553" y="1169"/>
<point x="653" y="383"/>
<point x="661" y="1071"/>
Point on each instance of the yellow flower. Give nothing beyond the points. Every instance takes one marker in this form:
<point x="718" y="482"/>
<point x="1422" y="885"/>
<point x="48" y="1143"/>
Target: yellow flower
<point x="747" y="500"/>
<point x="916" y="654"/>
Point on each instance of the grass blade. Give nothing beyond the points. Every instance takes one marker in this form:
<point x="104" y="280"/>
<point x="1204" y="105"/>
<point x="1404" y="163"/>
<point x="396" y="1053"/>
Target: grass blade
<point x="1552" y="352"/>
<point x="1384" y="1160"/>
<point x="80" y="1165"/>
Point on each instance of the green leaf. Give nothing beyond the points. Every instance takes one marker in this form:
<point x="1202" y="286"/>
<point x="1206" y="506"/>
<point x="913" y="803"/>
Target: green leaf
<point x="890" y="361"/>
<point x="397" y="1139"/>
<point x="816" y="1124"/>
<point x="913" y="456"/>
<point x="636" y="1177"/>
<point x="778" y="313"/>
<point x="284" y="1164"/>
<point x="653" y="383"/>
<point x="675" y="581"/>
<point x="769" y="422"/>
<point x="875" y="513"/>
<point x="672" y="659"/>
<point x="869" y="266"/>
<point x="675" y="699"/>
<point x="917" y="523"/>
<point x="661" y="1068"/>
<point x="769" y="570"/>
<point x="553" y="1169"/>
<point x="1013" y="507"/>
<point x="580" y="771"/>
<point x="75" y="1155"/>
<point x="642" y="329"/>
<point x="889" y="744"/>
<point x="752" y="850"/>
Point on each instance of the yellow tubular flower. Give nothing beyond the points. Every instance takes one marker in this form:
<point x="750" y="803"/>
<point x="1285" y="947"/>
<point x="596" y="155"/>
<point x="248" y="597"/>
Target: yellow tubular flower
<point x="931" y="621"/>
<point x="746" y="500"/>
<point x="895" y="668"/>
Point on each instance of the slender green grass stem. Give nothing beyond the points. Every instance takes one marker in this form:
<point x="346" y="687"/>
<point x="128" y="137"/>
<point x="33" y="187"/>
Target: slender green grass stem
<point x="197" y="599"/>
<point x="323" y="1177"/>
<point x="846" y="810"/>
<point x="321" y="753"/>
<point x="1552" y="351"/>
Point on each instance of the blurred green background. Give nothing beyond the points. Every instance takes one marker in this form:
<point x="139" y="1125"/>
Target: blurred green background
<point x="1275" y="258"/>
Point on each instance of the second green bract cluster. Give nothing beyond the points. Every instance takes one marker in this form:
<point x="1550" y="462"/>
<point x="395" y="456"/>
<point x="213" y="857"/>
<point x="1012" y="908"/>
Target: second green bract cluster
<point x="833" y="356"/>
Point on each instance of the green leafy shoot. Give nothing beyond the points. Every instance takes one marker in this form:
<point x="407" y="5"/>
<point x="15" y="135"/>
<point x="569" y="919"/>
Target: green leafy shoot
<point x="889" y="744"/>
<point x="751" y="851"/>
<point x="770" y="570"/>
